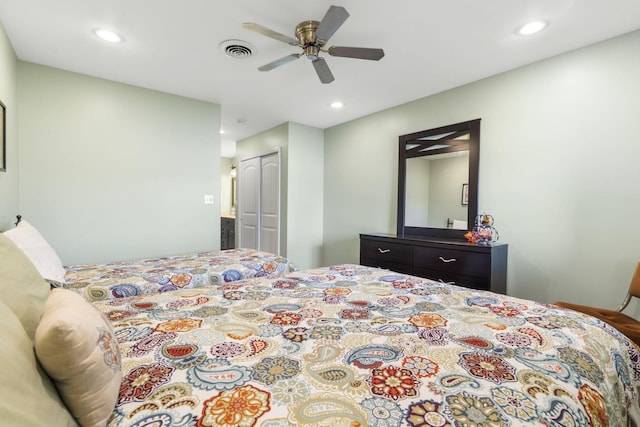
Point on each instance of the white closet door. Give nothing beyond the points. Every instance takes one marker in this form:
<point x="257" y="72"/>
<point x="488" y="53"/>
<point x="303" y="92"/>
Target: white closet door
<point x="249" y="203"/>
<point x="270" y="204"/>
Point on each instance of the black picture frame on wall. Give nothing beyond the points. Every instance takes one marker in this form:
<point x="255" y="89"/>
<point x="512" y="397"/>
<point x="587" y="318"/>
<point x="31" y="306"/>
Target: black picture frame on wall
<point x="3" y="137"/>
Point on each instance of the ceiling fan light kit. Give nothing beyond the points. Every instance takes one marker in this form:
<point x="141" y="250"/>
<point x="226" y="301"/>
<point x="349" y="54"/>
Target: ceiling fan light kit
<point x="312" y="36"/>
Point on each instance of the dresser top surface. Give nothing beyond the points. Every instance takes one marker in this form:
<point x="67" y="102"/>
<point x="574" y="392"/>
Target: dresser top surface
<point x="421" y="240"/>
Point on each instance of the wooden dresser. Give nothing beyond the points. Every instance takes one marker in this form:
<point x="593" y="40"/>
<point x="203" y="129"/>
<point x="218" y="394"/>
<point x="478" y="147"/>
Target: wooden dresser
<point x="464" y="264"/>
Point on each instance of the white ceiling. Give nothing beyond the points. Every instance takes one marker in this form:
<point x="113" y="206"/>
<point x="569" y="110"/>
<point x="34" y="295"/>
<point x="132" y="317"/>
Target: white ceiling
<point x="430" y="46"/>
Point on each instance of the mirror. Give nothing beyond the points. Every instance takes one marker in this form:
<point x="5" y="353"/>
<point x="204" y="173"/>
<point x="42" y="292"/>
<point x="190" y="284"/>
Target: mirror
<point x="438" y="181"/>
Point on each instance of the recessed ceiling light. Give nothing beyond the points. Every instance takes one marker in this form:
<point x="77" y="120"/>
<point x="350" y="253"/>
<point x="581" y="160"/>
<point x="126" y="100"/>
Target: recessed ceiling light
<point x="108" y="35"/>
<point x="221" y="131"/>
<point x="337" y="104"/>
<point x="532" y="28"/>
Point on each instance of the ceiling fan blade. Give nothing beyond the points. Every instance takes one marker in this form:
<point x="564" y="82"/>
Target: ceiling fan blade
<point x="323" y="71"/>
<point x="278" y="62"/>
<point x="356" y="52"/>
<point x="334" y="18"/>
<point x="270" y="33"/>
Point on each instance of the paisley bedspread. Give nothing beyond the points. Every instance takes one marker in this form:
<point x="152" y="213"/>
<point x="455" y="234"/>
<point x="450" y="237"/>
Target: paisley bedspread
<point x="129" y="278"/>
<point x="358" y="346"/>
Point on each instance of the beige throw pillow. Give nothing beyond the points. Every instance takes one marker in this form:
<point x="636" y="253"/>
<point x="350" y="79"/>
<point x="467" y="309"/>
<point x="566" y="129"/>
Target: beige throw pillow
<point x="28" y="396"/>
<point x="22" y="288"/>
<point x="77" y="347"/>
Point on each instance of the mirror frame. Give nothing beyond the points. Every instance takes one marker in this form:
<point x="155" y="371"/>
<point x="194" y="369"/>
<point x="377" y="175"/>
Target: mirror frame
<point x="471" y="127"/>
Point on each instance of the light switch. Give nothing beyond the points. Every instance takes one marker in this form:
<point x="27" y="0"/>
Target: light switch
<point x="208" y="199"/>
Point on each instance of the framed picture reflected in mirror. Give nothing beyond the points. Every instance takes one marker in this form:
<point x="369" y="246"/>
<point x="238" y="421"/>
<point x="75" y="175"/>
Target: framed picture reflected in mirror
<point x="465" y="194"/>
<point x="3" y="137"/>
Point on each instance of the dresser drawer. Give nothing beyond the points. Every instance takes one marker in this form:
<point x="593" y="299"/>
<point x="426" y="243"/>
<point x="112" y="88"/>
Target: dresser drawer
<point x="385" y="252"/>
<point x="460" y="262"/>
<point x="476" y="282"/>
<point x="398" y="267"/>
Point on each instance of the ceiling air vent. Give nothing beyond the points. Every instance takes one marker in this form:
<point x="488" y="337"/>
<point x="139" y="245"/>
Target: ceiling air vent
<point x="238" y="49"/>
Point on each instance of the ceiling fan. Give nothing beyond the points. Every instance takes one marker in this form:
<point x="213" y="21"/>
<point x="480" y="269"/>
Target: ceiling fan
<point x="312" y="36"/>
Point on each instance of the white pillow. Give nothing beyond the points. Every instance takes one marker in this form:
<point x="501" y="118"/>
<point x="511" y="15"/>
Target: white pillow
<point x="77" y="347"/>
<point x="38" y="250"/>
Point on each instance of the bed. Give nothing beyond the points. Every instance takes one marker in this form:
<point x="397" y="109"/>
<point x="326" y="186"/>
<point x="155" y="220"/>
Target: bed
<point x="121" y="279"/>
<point x="358" y="346"/>
<point x="153" y="275"/>
<point x="344" y="345"/>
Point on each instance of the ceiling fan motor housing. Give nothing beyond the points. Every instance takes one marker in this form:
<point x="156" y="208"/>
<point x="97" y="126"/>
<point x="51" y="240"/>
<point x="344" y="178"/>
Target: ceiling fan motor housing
<point x="306" y="35"/>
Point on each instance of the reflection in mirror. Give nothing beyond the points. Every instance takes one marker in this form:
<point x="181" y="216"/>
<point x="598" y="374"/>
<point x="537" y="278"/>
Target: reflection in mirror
<point x="438" y="181"/>
<point x="435" y="186"/>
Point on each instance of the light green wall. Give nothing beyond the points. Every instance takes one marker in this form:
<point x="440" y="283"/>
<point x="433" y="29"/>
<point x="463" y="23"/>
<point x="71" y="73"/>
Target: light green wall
<point x="110" y="171"/>
<point x="305" y="191"/>
<point x="558" y="170"/>
<point x="8" y="95"/>
<point x="302" y="169"/>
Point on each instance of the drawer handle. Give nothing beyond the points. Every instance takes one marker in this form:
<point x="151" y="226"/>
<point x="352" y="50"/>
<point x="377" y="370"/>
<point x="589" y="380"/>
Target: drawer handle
<point x="384" y="251"/>
<point x="447" y="260"/>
